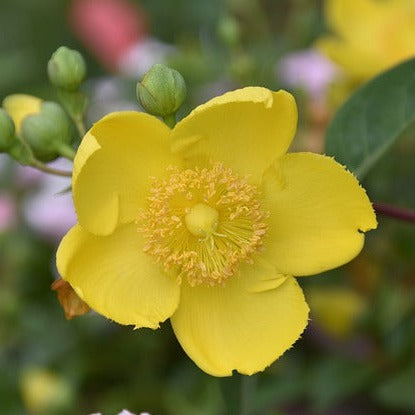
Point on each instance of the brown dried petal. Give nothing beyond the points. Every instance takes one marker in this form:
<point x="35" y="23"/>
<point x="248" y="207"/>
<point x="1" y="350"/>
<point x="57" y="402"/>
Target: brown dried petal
<point x="69" y="299"/>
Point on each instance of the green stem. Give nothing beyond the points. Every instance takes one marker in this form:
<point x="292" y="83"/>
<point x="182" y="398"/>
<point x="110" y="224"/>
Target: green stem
<point x="23" y="154"/>
<point x="248" y="388"/>
<point x="170" y="120"/>
<point x="66" y="151"/>
<point x="75" y="105"/>
<point x="80" y="126"/>
<point x="43" y="167"/>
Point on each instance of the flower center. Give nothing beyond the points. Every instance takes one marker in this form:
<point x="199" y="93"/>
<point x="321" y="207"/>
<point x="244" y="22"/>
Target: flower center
<point x="203" y="223"/>
<point x="202" y="220"/>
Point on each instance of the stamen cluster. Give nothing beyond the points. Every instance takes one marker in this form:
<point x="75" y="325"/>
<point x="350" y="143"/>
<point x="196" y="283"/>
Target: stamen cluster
<point x="211" y="259"/>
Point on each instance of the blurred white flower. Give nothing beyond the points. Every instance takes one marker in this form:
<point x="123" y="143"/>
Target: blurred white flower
<point x="307" y="69"/>
<point x="126" y="412"/>
<point x="27" y="177"/>
<point x="140" y="57"/>
<point x="108" y="94"/>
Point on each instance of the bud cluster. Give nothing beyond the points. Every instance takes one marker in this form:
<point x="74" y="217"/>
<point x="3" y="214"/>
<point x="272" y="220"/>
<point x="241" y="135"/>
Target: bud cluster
<point x="33" y="131"/>
<point x="30" y="125"/>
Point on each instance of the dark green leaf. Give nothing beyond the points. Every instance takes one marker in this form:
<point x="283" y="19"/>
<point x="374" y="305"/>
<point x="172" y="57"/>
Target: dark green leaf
<point x="373" y="119"/>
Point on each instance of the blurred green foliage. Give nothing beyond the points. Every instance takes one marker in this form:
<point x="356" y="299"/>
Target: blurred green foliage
<point x="105" y="367"/>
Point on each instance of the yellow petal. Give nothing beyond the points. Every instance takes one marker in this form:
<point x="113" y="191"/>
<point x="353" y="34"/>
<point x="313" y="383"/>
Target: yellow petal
<point x="113" y="166"/>
<point x="358" y="61"/>
<point x="354" y="19"/>
<point x="116" y="278"/>
<point x="19" y="106"/>
<point x="318" y="213"/>
<point x="242" y="326"/>
<point x="245" y="129"/>
<point x="369" y="35"/>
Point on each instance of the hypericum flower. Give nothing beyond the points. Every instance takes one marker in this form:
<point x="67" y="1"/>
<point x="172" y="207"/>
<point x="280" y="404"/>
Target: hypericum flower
<point x="206" y="224"/>
<point x="369" y="35"/>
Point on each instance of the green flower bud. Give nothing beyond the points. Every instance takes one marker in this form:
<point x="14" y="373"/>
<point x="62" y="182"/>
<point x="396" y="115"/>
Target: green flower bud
<point x="47" y="132"/>
<point x="19" y="106"/>
<point x="66" y="69"/>
<point x="162" y="91"/>
<point x="7" y="131"/>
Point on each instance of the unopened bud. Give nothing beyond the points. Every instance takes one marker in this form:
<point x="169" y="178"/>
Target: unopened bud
<point x="66" y="69"/>
<point x="47" y="132"/>
<point x="162" y="91"/>
<point x="7" y="131"/>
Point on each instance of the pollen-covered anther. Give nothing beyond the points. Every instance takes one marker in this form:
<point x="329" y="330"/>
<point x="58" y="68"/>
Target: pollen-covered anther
<point x="203" y="223"/>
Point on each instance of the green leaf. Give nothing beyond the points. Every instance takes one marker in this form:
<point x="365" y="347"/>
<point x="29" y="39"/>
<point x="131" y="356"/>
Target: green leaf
<point x="189" y="392"/>
<point x="397" y="391"/>
<point x="333" y="380"/>
<point x="373" y="119"/>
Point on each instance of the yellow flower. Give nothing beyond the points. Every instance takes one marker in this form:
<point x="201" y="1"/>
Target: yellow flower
<point x="206" y="224"/>
<point x="44" y="391"/>
<point x="336" y="309"/>
<point x="369" y="35"/>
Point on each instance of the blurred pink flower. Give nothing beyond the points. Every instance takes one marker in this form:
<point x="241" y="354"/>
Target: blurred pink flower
<point x="48" y="211"/>
<point x="108" y="28"/>
<point x="307" y="69"/>
<point x="115" y="31"/>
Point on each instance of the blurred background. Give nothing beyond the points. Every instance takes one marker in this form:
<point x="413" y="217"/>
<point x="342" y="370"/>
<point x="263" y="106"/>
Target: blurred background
<point x="357" y="355"/>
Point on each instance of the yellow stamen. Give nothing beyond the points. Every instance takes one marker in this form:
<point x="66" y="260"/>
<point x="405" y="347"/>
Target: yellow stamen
<point x="203" y="223"/>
